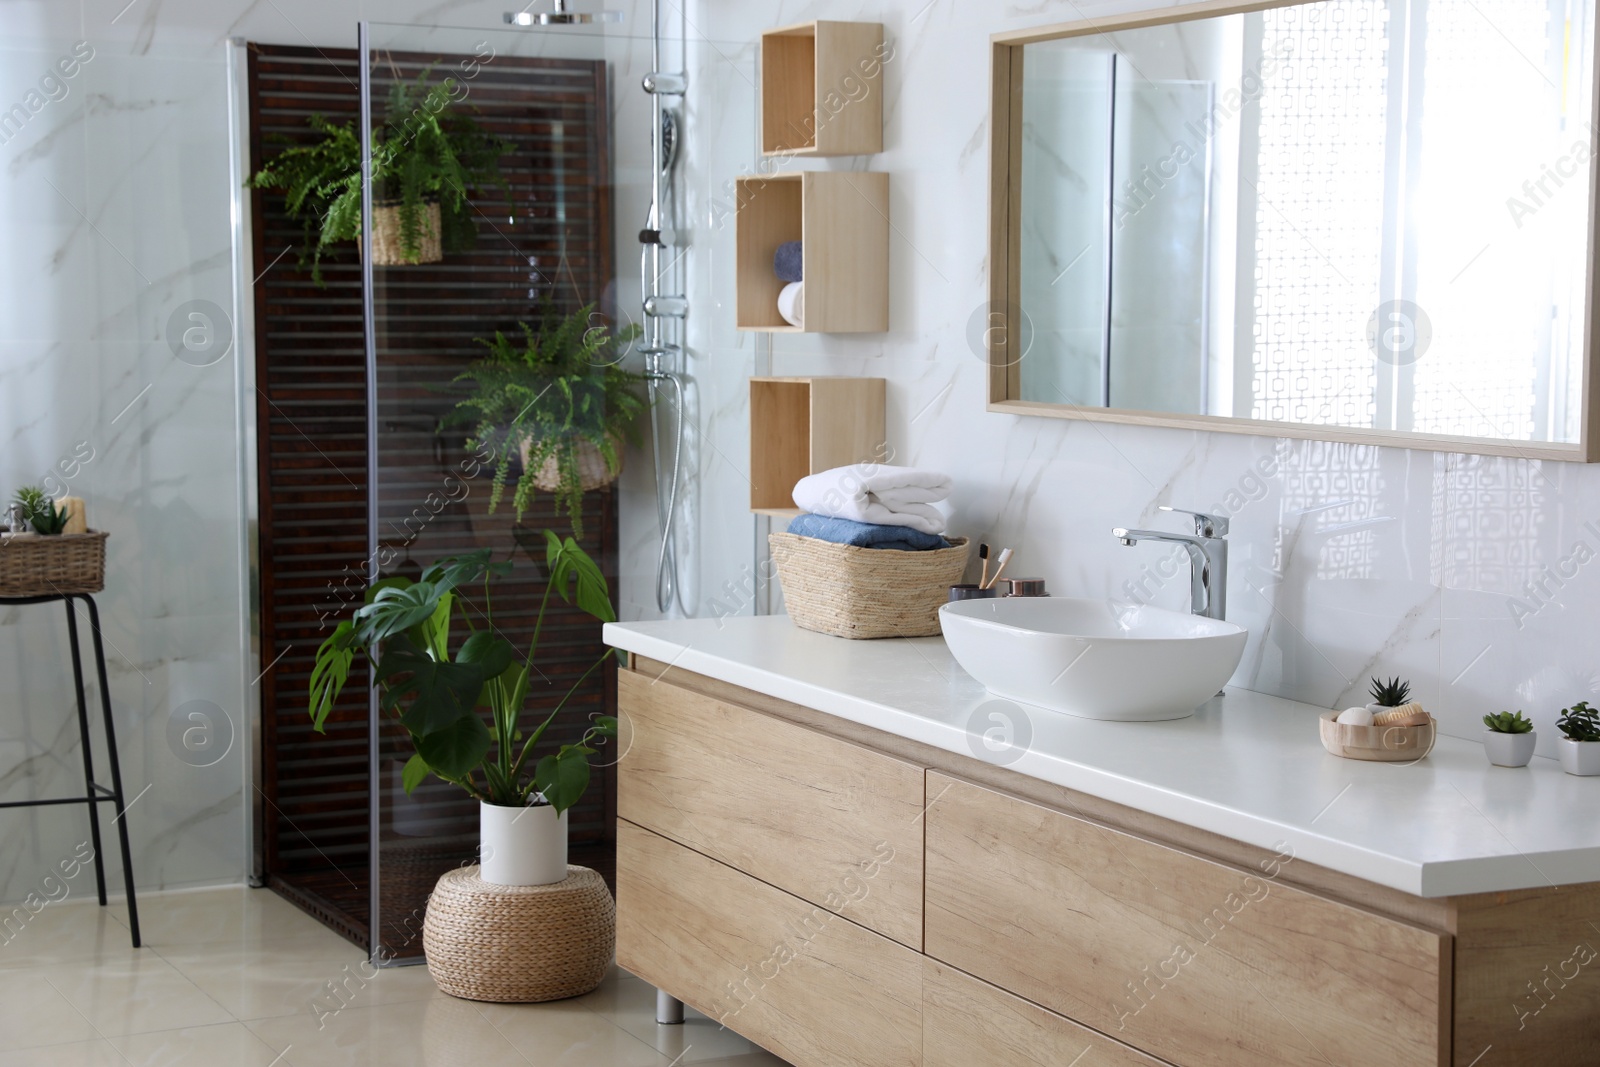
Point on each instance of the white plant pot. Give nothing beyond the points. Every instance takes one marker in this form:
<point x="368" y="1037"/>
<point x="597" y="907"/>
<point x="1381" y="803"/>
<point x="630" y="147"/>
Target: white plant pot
<point x="1579" y="757"/>
<point x="522" y="846"/>
<point x="1509" y="750"/>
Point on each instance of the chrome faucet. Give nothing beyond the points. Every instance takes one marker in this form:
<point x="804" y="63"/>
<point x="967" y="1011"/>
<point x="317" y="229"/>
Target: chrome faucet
<point x="1208" y="558"/>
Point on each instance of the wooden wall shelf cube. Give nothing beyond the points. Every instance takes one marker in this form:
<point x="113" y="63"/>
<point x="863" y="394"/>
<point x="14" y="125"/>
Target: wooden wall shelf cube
<point x="843" y="218"/>
<point x="801" y="426"/>
<point x="821" y="89"/>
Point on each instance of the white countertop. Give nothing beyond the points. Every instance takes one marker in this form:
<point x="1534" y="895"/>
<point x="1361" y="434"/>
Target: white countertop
<point x="1245" y="765"/>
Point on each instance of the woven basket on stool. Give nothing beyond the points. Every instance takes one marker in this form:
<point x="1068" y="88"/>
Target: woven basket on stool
<point x="42" y="564"/>
<point x="519" y="944"/>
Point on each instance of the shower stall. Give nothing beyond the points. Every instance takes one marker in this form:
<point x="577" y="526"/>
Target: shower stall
<point x="357" y="480"/>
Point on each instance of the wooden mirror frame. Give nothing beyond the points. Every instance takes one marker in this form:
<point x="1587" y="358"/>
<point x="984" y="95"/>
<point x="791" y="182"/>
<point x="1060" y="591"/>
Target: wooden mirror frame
<point x="1005" y="268"/>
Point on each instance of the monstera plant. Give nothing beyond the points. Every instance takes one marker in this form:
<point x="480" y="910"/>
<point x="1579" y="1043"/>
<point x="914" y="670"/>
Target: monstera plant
<point x="462" y="702"/>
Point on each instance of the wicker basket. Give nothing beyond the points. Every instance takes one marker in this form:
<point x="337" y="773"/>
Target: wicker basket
<point x="519" y="944"/>
<point x="592" y="470"/>
<point x="386" y="248"/>
<point x="865" y="592"/>
<point x="42" y="564"/>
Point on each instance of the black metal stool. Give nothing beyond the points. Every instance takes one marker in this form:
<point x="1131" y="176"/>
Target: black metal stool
<point x="96" y="794"/>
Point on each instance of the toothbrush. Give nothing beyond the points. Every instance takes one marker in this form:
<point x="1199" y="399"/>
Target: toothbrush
<point x="983" y="554"/>
<point x="1005" y="557"/>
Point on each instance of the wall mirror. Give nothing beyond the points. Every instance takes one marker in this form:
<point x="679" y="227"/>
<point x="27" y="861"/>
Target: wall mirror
<point x="1346" y="219"/>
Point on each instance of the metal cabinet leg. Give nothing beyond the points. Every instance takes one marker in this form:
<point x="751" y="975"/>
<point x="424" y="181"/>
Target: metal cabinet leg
<point x="669" y="1009"/>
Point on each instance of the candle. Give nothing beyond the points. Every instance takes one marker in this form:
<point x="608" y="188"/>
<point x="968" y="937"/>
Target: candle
<point x="72" y="508"/>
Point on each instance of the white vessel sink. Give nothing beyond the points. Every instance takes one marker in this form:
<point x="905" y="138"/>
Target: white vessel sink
<point x="1092" y="657"/>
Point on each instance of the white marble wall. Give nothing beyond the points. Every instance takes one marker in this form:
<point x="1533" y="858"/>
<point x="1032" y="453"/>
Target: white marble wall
<point x="1474" y="577"/>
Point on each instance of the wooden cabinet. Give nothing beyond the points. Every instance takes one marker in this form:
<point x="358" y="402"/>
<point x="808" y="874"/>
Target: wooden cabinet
<point x="831" y="822"/>
<point x="966" y="1022"/>
<point x="1197" y="962"/>
<point x="796" y="979"/>
<point x="1046" y="936"/>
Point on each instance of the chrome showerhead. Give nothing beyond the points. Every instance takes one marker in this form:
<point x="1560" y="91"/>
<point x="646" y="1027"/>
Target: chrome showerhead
<point x="560" y="16"/>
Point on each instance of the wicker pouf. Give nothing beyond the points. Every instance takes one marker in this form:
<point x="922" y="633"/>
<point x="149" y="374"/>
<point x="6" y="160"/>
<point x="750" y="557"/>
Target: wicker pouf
<point x="519" y="944"/>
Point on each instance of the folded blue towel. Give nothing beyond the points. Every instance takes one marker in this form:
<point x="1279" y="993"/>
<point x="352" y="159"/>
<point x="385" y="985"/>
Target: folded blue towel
<point x="786" y="262"/>
<point x="865" y="534"/>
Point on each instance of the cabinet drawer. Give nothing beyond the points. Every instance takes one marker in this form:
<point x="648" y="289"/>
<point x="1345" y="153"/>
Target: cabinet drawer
<point x="829" y="821"/>
<point x="796" y="979"/>
<point x="967" y="1022"/>
<point x="1201" y="964"/>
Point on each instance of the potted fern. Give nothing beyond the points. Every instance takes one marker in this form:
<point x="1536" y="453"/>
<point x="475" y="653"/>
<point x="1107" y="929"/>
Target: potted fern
<point x="1509" y="739"/>
<point x="1580" y="743"/>
<point x="427" y="162"/>
<point x="462" y="703"/>
<point x="557" y="398"/>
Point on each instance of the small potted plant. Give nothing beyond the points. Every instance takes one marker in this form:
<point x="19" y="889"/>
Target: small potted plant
<point x="1509" y="739"/>
<point x="1386" y="696"/>
<point x="39" y="512"/>
<point x="426" y="158"/>
<point x="436" y="693"/>
<point x="557" y="398"/>
<point x="1580" y="747"/>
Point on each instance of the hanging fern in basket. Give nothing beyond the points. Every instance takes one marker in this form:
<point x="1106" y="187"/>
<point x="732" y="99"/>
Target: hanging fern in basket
<point x="550" y="395"/>
<point x="423" y="153"/>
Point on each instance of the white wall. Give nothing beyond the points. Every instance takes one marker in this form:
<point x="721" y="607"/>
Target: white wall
<point x="1348" y="561"/>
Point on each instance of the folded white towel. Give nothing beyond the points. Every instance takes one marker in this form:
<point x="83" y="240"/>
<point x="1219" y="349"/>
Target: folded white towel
<point x="792" y="303"/>
<point x="869" y="492"/>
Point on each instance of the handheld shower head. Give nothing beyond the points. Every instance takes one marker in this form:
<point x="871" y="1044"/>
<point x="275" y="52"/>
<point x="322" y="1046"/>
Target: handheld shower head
<point x="560" y="16"/>
<point x="669" y="140"/>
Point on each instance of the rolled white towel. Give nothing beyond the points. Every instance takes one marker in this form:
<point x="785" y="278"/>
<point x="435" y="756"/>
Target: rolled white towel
<point x="792" y="303"/>
<point x="858" y="492"/>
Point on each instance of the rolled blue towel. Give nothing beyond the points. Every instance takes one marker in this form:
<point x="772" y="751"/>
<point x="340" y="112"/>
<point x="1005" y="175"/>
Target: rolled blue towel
<point x="865" y="534"/>
<point x="786" y="262"/>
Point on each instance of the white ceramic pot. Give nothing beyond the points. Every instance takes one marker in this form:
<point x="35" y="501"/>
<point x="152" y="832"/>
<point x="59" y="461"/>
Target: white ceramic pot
<point x="522" y="846"/>
<point x="1580" y="757"/>
<point x="1509" y="750"/>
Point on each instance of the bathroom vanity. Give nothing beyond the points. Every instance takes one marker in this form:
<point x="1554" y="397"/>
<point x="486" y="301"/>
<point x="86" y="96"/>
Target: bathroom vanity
<point x="849" y="853"/>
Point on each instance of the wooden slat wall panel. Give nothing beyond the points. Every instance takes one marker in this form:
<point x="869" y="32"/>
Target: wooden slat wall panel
<point x="551" y="241"/>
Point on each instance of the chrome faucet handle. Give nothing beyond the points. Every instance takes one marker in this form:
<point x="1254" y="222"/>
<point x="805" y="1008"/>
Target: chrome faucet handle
<point x="1206" y="525"/>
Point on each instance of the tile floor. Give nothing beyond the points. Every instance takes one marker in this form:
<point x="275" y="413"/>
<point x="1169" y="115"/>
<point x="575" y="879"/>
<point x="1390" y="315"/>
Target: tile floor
<point x="229" y="976"/>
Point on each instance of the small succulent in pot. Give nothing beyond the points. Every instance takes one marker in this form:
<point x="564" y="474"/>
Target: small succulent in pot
<point x="1580" y="745"/>
<point x="1509" y="739"/>
<point x="40" y="512"/>
<point x="1391" y="694"/>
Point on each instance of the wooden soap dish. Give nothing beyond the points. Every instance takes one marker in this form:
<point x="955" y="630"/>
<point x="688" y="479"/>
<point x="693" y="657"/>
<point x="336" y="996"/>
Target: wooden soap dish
<point x="1384" y="744"/>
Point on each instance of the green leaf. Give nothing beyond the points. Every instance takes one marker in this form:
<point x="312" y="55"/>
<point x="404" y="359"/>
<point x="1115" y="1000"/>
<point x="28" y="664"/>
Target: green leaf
<point x="465" y="569"/>
<point x="330" y="672"/>
<point x="427" y="695"/>
<point x="436" y="629"/>
<point x="569" y="563"/>
<point x="415" y="771"/>
<point x="394" y="610"/>
<point x="488" y="652"/>
<point x="456" y="751"/>
<point x="563" y="776"/>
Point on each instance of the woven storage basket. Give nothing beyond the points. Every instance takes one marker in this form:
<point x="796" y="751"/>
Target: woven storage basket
<point x="865" y="592"/>
<point x="592" y="470"/>
<point x="519" y="944"/>
<point x="61" y="563"/>
<point x="386" y="248"/>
